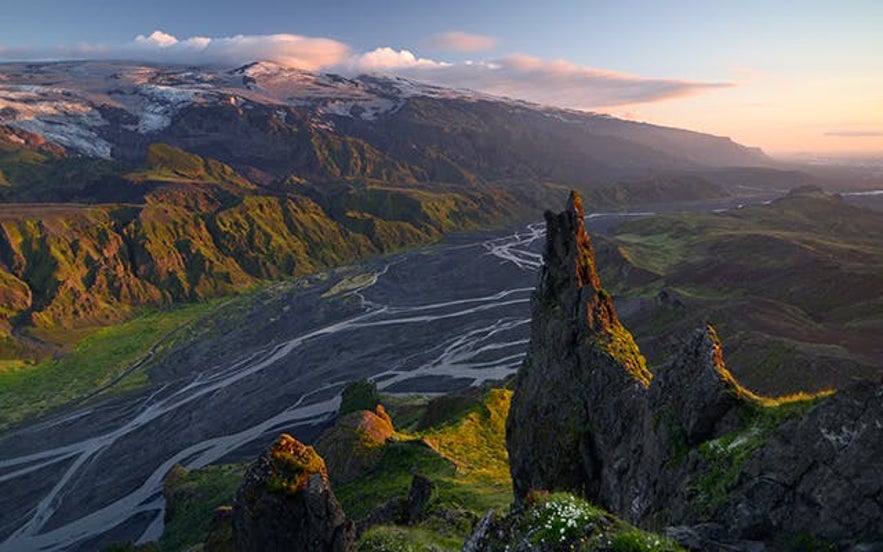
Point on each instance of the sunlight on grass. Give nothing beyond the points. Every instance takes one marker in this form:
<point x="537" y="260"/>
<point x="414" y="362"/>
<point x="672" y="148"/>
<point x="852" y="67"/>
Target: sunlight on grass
<point x="349" y="284"/>
<point x="475" y="444"/>
<point x="94" y="362"/>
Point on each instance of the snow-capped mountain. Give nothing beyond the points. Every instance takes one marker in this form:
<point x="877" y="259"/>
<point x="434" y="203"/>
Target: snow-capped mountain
<point x="67" y="102"/>
<point x="267" y="117"/>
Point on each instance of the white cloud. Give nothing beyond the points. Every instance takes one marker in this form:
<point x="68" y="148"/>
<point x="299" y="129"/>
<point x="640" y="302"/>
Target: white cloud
<point x="387" y="59"/>
<point x="157" y="38"/>
<point x="457" y="41"/>
<point x="288" y="49"/>
<point x="555" y="82"/>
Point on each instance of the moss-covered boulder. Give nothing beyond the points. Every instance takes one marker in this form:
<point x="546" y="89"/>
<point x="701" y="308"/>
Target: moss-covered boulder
<point x="355" y="443"/>
<point x="286" y="503"/>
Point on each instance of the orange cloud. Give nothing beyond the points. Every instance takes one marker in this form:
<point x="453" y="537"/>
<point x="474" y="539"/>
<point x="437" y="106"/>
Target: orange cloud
<point x="457" y="41"/>
<point x="854" y="133"/>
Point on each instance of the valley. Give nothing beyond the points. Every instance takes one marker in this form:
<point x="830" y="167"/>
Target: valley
<point x="428" y="321"/>
<point x="415" y="327"/>
<point x="196" y="259"/>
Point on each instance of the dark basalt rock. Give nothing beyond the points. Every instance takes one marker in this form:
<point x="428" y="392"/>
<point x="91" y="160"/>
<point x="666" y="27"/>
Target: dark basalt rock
<point x="588" y="417"/>
<point x="286" y="503"/>
<point x="422" y="491"/>
<point x="818" y="475"/>
<point x="572" y="394"/>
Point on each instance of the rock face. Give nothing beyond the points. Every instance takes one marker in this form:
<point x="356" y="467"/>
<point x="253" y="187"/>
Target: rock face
<point x="573" y="380"/>
<point x="421" y="493"/>
<point x="687" y="445"/>
<point x="821" y="474"/>
<point x="286" y="503"/>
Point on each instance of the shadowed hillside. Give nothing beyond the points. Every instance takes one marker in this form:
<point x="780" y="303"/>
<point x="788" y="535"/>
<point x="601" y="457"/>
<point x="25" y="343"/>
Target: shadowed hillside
<point x="793" y="287"/>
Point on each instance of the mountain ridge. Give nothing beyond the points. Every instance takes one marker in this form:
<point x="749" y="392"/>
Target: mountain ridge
<point x="103" y="109"/>
<point x="176" y="161"/>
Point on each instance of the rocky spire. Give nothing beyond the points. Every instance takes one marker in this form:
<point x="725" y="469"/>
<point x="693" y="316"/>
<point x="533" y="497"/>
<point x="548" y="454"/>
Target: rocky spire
<point x="689" y="446"/>
<point x="569" y="280"/>
<point x="580" y="357"/>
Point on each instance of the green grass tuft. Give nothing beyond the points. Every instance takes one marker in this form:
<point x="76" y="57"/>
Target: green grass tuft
<point x="359" y="395"/>
<point x="194" y="499"/>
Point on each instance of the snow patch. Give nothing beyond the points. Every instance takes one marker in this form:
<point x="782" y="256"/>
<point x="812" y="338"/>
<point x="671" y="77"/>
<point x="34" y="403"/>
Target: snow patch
<point x="159" y="105"/>
<point x="56" y="114"/>
<point x="365" y="110"/>
<point x="72" y="132"/>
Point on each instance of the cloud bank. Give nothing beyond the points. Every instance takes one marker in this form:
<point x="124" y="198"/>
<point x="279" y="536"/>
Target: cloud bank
<point x="557" y="82"/>
<point x="457" y="41"/>
<point x="554" y="82"/>
<point x="288" y="49"/>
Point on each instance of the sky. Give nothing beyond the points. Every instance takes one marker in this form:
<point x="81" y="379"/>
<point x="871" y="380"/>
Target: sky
<point x="788" y="76"/>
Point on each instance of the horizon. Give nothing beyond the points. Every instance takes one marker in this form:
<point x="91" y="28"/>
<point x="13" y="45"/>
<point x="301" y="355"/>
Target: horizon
<point x="800" y="79"/>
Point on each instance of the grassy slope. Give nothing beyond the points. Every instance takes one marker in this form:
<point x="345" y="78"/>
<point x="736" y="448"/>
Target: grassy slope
<point x="192" y="498"/>
<point x="28" y="390"/>
<point x="195" y="229"/>
<point x="794" y="287"/>
<point x="466" y="458"/>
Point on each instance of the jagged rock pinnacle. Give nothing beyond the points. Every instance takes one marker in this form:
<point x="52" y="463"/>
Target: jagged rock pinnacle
<point x="578" y="346"/>
<point x="586" y="418"/>
<point x="569" y="282"/>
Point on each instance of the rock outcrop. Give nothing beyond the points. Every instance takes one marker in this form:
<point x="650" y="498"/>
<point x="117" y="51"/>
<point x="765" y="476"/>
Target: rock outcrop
<point x="687" y="445"/>
<point x="582" y="372"/>
<point x="285" y="503"/>
<point x="821" y="474"/>
<point x="355" y="443"/>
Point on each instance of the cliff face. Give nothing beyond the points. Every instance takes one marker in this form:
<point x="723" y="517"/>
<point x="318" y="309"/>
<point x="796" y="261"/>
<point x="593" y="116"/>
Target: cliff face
<point x="687" y="444"/>
<point x="550" y="430"/>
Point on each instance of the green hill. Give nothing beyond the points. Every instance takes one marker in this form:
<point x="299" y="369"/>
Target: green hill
<point x="793" y="287"/>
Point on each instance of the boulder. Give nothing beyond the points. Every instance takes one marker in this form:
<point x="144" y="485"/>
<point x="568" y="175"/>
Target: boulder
<point x="355" y="443"/>
<point x="286" y="503"/>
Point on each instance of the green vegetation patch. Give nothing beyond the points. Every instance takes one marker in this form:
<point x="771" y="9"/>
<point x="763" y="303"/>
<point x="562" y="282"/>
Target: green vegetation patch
<point x="170" y="164"/>
<point x="191" y="500"/>
<point x="359" y="395"/>
<point x="463" y="454"/>
<point x="291" y="464"/>
<point x="101" y="361"/>
<point x="725" y="456"/>
<point x="391" y="478"/>
<point x="561" y="521"/>
<point x="386" y="538"/>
